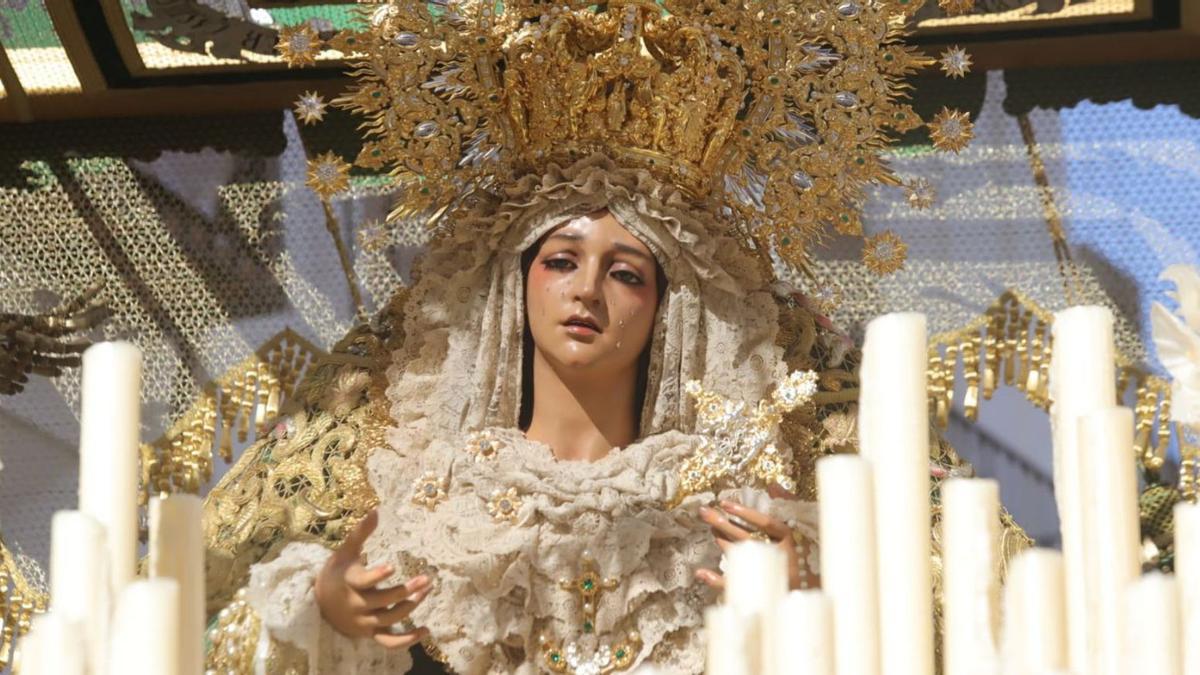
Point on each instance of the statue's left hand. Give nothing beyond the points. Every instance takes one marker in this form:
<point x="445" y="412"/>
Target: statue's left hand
<point x="777" y="532"/>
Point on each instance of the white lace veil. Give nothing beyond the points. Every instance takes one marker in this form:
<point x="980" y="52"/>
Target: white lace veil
<point x="460" y="368"/>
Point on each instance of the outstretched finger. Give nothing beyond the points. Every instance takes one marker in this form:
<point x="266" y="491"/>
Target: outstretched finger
<point x="352" y="544"/>
<point x="400" y="611"/>
<point x="402" y="640"/>
<point x="711" y="578"/>
<point x="772" y="527"/>
<point x="386" y="597"/>
<point x="721" y="526"/>
<point x="360" y="578"/>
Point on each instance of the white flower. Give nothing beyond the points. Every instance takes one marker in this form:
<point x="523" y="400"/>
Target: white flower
<point x="1177" y="341"/>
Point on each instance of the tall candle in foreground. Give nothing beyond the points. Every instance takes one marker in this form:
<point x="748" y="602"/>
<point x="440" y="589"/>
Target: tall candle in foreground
<point x="971" y="536"/>
<point x="177" y="552"/>
<point x="54" y="645"/>
<point x="145" y="629"/>
<point x="849" y="578"/>
<point x="1187" y="576"/>
<point x="806" y="622"/>
<point x="109" y="432"/>
<point x="756" y="578"/>
<point x="725" y="637"/>
<point x="1082" y="379"/>
<point x="1149" y="631"/>
<point x="79" y="580"/>
<point x="894" y="435"/>
<point x="1112" y="541"/>
<point x="1035" y="618"/>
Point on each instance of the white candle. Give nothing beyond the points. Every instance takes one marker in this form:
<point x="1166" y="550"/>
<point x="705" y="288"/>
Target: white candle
<point x="756" y="578"/>
<point x="177" y="552"/>
<point x="1082" y="379"/>
<point x="894" y="436"/>
<point x="728" y="650"/>
<point x="848" y="564"/>
<point x="109" y="430"/>
<point x="1035" y="624"/>
<point x="1187" y="575"/>
<point x="145" y="629"/>
<point x="971" y="535"/>
<point x="1150" y="635"/>
<point x="79" y="579"/>
<point x="1112" y="540"/>
<point x="805" y="620"/>
<point x="54" y="645"/>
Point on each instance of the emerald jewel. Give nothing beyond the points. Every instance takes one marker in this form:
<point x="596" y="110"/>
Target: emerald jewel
<point x="588" y="584"/>
<point x="620" y="653"/>
<point x="588" y="627"/>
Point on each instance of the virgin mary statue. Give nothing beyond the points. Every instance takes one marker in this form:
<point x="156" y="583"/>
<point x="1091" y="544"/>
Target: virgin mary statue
<point x="515" y="467"/>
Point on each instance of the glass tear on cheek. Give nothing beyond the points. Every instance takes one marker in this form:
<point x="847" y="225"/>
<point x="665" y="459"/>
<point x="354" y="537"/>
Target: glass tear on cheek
<point x="618" y="344"/>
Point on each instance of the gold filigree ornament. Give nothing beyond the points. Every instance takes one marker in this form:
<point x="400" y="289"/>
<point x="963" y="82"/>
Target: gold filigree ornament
<point x="739" y="440"/>
<point x="328" y="175"/>
<point x="955" y="62"/>
<point x="957" y="7"/>
<point x="298" y="45"/>
<point x="770" y="116"/>
<point x="310" y="107"/>
<point x="606" y="659"/>
<point x="505" y="505"/>
<point x="951" y="130"/>
<point x="429" y="490"/>
<point x="921" y="194"/>
<point x="884" y="253"/>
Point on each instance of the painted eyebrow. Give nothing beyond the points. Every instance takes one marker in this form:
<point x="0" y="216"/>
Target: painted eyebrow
<point x="626" y="248"/>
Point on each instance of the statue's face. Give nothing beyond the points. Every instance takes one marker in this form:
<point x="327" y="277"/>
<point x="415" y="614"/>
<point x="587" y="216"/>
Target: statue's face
<point x="591" y="295"/>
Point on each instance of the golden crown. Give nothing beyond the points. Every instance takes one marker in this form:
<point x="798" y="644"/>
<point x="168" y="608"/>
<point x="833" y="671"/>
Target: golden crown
<point x="772" y="115"/>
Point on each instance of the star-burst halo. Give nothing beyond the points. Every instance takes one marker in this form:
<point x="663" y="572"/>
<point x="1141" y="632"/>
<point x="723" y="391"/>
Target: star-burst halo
<point x="328" y="175"/>
<point x="310" y="107"/>
<point x="955" y="62"/>
<point x="773" y="121"/>
<point x="951" y="130"/>
<point x="956" y="7"/>
<point x="298" y="45"/>
<point x="884" y="253"/>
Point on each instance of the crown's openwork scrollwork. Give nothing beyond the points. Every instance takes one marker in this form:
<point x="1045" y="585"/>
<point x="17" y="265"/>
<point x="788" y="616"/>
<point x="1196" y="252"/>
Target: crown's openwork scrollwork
<point x="770" y="115"/>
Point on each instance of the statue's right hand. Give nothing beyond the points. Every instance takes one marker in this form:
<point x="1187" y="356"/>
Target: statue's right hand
<point x="351" y="601"/>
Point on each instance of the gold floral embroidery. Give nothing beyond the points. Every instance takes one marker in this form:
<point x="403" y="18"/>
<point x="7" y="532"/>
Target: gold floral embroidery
<point x="483" y="446"/>
<point x="504" y="505"/>
<point x="429" y="490"/>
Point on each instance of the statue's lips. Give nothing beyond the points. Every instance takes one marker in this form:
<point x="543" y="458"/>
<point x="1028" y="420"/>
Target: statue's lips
<point x="581" y="327"/>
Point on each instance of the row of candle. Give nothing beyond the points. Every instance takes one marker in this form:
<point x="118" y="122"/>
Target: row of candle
<point x="102" y="619"/>
<point x="1084" y="611"/>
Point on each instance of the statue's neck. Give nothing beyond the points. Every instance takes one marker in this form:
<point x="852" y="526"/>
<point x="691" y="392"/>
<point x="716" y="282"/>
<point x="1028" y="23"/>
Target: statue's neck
<point x="582" y="415"/>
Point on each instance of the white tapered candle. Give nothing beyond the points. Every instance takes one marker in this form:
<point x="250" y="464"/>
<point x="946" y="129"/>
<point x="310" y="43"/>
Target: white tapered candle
<point x="1082" y="379"/>
<point x="177" y="552"/>
<point x="79" y="579"/>
<point x="756" y="578"/>
<point x="1035" y="619"/>
<point x="848" y="563"/>
<point x="1187" y="576"/>
<point x="1112" y="540"/>
<point x="727" y="644"/>
<point x="1149" y="629"/>
<point x="109" y="433"/>
<point x="145" y="629"/>
<point x="54" y="645"/>
<point x="894" y="436"/>
<point x="971" y="536"/>
<point x="805" y="619"/>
